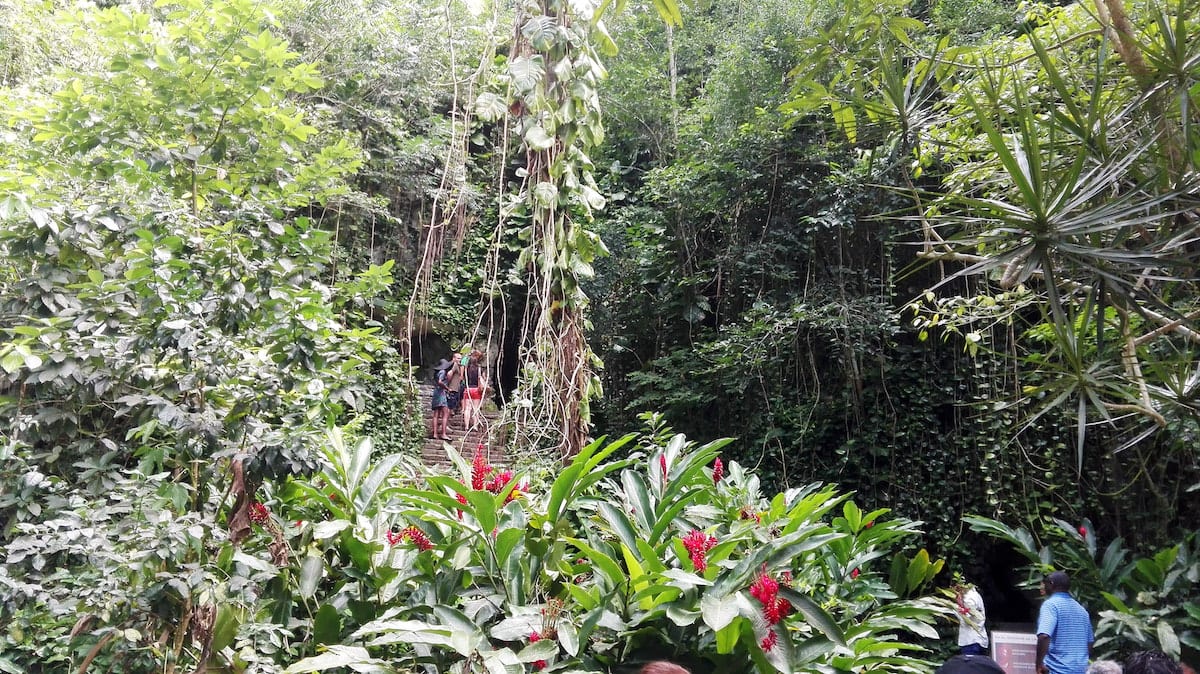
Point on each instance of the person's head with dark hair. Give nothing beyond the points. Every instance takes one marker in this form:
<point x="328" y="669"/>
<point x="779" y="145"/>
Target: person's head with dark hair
<point x="1058" y="581"/>
<point x="662" y="667"/>
<point x="1151" y="662"/>
<point x="1104" y="667"/>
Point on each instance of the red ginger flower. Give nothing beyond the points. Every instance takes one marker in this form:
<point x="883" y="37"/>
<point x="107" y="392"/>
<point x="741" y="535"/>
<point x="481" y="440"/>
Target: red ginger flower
<point x="479" y="469"/>
<point x="766" y="590"/>
<point x="417" y="537"/>
<point x="718" y="470"/>
<point x="1083" y="531"/>
<point x="259" y="513"/>
<point x="777" y="610"/>
<point x="698" y="544"/>
<point x="394" y="537"/>
<point x="854" y="573"/>
<point x="662" y="463"/>
<point x="496" y="484"/>
<point x="768" y="642"/>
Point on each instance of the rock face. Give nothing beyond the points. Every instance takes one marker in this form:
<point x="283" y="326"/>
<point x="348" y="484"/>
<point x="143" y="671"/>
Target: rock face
<point x="464" y="440"/>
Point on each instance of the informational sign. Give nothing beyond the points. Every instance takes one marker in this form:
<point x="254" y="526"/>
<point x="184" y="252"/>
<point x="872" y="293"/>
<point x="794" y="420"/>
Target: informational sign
<point x="1015" y="652"/>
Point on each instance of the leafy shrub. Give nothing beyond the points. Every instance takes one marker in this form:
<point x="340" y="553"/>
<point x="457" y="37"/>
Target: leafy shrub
<point x="1151" y="601"/>
<point x="614" y="561"/>
<point x="165" y="323"/>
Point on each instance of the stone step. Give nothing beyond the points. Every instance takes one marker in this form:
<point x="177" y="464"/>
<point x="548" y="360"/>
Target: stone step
<point x="434" y="455"/>
<point x="487" y="432"/>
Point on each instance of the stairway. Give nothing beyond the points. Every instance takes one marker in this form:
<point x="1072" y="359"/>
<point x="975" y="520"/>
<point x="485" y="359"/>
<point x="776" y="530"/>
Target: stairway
<point x="487" y="431"/>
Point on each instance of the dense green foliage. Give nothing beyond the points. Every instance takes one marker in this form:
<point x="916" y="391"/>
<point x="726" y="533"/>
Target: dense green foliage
<point x="1149" y="603"/>
<point x="825" y="171"/>
<point x="166" y="315"/>
<point x="591" y="569"/>
<point x="940" y="254"/>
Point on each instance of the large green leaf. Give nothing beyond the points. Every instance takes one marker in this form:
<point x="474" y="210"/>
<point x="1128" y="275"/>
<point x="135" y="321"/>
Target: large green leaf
<point x="465" y="635"/>
<point x="312" y="570"/>
<point x="336" y="657"/>
<point x="718" y="611"/>
<point x="814" y="615"/>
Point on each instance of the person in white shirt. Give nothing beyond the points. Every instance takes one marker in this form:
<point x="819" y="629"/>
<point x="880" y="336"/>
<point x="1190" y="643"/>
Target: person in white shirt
<point x="972" y="636"/>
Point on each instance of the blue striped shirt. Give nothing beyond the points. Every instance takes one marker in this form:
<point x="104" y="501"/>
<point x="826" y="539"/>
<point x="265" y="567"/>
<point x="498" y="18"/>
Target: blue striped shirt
<point x="1067" y="624"/>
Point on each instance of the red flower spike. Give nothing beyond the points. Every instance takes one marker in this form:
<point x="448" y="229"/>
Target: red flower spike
<point x="417" y="538"/>
<point x="479" y="469"/>
<point x="764" y="588"/>
<point x="698" y="544"/>
<point x="496" y="484"/>
<point x="776" y="610"/>
<point x="718" y="470"/>
<point x="1083" y="531"/>
<point x="771" y="613"/>
<point x="259" y="513"/>
<point x="768" y="642"/>
<point x="538" y="665"/>
<point x="784" y="606"/>
<point x="394" y="537"/>
<point x="854" y="573"/>
<point x="535" y="637"/>
<point x="870" y="524"/>
<point x="662" y="463"/>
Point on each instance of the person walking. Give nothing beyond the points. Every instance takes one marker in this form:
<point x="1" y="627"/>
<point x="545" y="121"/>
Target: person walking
<point x="1064" y="629"/>
<point x="455" y="384"/>
<point x="475" y="377"/>
<point x="972" y="636"/>
<point x="440" y="403"/>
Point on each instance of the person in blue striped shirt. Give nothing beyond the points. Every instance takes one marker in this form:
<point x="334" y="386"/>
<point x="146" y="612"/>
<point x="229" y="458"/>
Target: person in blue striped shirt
<point x="1064" y="629"/>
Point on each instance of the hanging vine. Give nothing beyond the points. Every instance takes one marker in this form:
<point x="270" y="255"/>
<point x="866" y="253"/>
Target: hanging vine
<point x="553" y="72"/>
<point x="547" y="100"/>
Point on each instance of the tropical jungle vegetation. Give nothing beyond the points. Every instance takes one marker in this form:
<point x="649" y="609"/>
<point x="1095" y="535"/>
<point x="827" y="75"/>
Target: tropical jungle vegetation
<point x="795" y="311"/>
